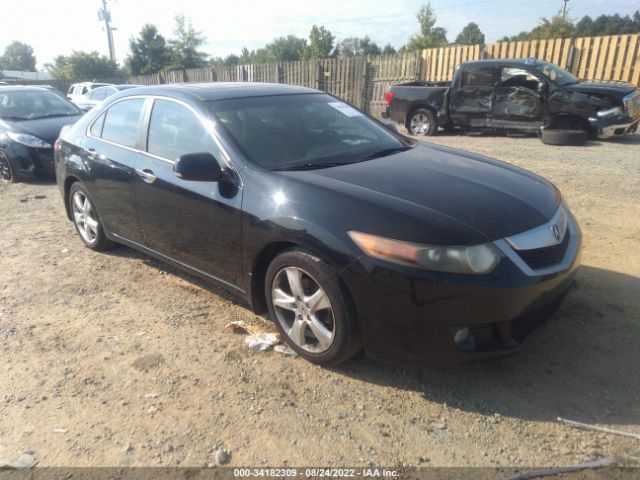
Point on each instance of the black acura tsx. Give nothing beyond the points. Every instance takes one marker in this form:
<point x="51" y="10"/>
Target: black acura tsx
<point x="349" y="234"/>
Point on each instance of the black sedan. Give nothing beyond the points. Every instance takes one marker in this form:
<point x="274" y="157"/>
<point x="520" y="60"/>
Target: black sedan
<point x="30" y="121"/>
<point x="350" y="235"/>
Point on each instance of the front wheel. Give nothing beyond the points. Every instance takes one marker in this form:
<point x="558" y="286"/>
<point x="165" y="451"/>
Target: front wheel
<point x="422" y="122"/>
<point x="311" y="308"/>
<point x="7" y="172"/>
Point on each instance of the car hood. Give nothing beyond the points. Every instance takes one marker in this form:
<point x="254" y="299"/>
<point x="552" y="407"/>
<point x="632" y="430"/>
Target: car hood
<point x="46" y="129"/>
<point x="602" y="88"/>
<point x="466" y="198"/>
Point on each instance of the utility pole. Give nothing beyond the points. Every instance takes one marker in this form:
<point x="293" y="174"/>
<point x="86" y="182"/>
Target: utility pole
<point x="105" y="15"/>
<point x="564" y="10"/>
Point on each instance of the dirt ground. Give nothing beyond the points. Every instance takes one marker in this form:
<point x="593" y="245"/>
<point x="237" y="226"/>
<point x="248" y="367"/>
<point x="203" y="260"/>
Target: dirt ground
<point x="114" y="359"/>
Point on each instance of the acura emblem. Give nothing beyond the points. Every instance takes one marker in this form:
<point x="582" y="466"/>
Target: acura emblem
<point x="556" y="232"/>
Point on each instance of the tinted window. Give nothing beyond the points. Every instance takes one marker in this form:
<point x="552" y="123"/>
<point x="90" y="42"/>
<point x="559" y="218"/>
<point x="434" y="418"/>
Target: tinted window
<point x="477" y="77"/>
<point x="32" y="104"/>
<point x="302" y="131"/>
<point x="518" y="77"/>
<point x="96" y="128"/>
<point x="121" y="122"/>
<point x="174" y="130"/>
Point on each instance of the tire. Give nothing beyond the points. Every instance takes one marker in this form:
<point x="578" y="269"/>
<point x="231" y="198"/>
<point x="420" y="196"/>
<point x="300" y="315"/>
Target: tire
<point x="422" y="122"/>
<point x="86" y="219"/>
<point x="563" y="137"/>
<point x="321" y="327"/>
<point x="7" y="172"/>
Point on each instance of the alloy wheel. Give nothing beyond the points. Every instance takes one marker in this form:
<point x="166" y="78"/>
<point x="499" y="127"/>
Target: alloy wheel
<point x="420" y="124"/>
<point x="303" y="310"/>
<point x="5" y="169"/>
<point x="84" y="217"/>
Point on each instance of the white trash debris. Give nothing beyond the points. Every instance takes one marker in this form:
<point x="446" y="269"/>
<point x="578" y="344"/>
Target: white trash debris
<point x="285" y="350"/>
<point x="26" y="460"/>
<point x="261" y="342"/>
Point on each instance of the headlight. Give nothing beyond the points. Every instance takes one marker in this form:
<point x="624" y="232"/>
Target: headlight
<point x="611" y="112"/>
<point x="476" y="259"/>
<point x="28" y="140"/>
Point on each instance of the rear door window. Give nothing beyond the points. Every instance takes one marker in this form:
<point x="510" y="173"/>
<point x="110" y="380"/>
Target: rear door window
<point x="174" y="130"/>
<point x="121" y="123"/>
<point x="473" y="76"/>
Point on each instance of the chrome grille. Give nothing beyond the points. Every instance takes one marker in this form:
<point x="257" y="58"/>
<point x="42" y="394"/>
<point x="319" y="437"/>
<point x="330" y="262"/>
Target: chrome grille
<point x="632" y="105"/>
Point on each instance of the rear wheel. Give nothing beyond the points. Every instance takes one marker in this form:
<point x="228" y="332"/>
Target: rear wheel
<point x="86" y="219"/>
<point x="311" y="308"/>
<point x="564" y="137"/>
<point x="422" y="122"/>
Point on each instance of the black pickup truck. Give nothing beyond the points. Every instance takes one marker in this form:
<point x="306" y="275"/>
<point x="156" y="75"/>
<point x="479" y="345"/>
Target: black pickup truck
<point x="517" y="96"/>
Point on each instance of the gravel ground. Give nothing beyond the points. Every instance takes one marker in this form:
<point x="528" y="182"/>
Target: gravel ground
<point x="114" y="359"/>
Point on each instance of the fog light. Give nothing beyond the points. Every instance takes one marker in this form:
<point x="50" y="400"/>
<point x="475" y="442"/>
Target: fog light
<point x="464" y="340"/>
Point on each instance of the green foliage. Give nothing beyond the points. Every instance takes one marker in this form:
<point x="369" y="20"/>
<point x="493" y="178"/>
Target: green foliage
<point x="184" y="47"/>
<point x="18" y="56"/>
<point x="470" y="35"/>
<point x="430" y="36"/>
<point x="84" y="66"/>
<point x="354" y="46"/>
<point x="149" y="52"/>
<point x="558" y="27"/>
<point x="388" y="49"/>
<point x="320" y="42"/>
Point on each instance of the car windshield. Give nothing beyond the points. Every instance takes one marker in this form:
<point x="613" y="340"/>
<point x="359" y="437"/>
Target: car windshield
<point x="303" y="131"/>
<point x="556" y="74"/>
<point x="32" y="104"/>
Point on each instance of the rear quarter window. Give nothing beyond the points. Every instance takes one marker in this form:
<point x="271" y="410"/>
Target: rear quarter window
<point x="121" y="122"/>
<point x="477" y="77"/>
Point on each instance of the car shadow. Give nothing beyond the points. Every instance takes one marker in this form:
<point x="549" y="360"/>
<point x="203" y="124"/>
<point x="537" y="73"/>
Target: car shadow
<point x="582" y="364"/>
<point x="123" y="251"/>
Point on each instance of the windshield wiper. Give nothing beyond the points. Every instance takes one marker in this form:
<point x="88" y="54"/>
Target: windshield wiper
<point x="385" y="152"/>
<point x="309" y="166"/>
<point x="51" y="115"/>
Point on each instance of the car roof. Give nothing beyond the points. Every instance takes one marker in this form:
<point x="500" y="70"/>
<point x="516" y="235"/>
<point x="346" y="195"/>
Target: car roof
<point x="23" y="88"/>
<point x="223" y="90"/>
<point x="514" y="62"/>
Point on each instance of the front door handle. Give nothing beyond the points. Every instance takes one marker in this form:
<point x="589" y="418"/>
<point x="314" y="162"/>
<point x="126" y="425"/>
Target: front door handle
<point x="146" y="175"/>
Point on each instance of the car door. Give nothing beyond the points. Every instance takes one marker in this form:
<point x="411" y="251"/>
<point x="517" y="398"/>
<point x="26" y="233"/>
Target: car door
<point x="110" y="151"/>
<point x="195" y="223"/>
<point x="471" y="99"/>
<point x="519" y="100"/>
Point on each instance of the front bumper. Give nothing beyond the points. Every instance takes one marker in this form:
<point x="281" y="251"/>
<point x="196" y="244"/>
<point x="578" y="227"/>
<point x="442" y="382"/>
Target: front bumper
<point x="411" y="317"/>
<point x="29" y="161"/>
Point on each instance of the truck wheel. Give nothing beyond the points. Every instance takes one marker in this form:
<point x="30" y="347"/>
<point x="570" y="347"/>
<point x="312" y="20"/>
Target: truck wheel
<point x="422" y="122"/>
<point x="563" y="137"/>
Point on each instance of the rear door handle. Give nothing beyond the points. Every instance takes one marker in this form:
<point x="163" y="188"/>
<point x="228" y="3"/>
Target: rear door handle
<point x="146" y="175"/>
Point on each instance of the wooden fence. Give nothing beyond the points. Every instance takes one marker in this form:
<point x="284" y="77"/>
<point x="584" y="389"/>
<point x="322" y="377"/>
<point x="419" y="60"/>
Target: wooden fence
<point x="363" y="81"/>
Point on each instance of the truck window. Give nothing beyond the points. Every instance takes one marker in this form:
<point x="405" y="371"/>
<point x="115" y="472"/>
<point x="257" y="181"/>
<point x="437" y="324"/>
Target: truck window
<point x="477" y="77"/>
<point x="518" y="77"/>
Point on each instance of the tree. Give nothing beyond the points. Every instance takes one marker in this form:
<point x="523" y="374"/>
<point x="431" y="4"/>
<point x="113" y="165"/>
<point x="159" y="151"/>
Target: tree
<point x="355" y="46"/>
<point x="388" y="49"/>
<point x="430" y="36"/>
<point x="149" y="52"/>
<point x="184" y="47"/>
<point x="84" y="66"/>
<point x="320" y="42"/>
<point x="18" y="56"/>
<point x="470" y="35"/>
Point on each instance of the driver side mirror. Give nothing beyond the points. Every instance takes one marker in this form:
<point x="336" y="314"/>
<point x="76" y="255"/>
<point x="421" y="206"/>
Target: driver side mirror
<point x="199" y="167"/>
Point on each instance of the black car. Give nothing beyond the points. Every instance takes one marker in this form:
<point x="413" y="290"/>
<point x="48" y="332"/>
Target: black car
<point x="350" y="235"/>
<point x="517" y="96"/>
<point x="30" y="121"/>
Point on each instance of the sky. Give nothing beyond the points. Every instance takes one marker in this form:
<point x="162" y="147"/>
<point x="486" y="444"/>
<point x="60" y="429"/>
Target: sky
<point x="60" y="27"/>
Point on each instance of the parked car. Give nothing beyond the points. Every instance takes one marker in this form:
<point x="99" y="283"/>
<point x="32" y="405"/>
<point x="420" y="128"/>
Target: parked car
<point x="97" y="95"/>
<point x="77" y="91"/>
<point x="30" y="121"/>
<point x="517" y="96"/>
<point x="348" y="233"/>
